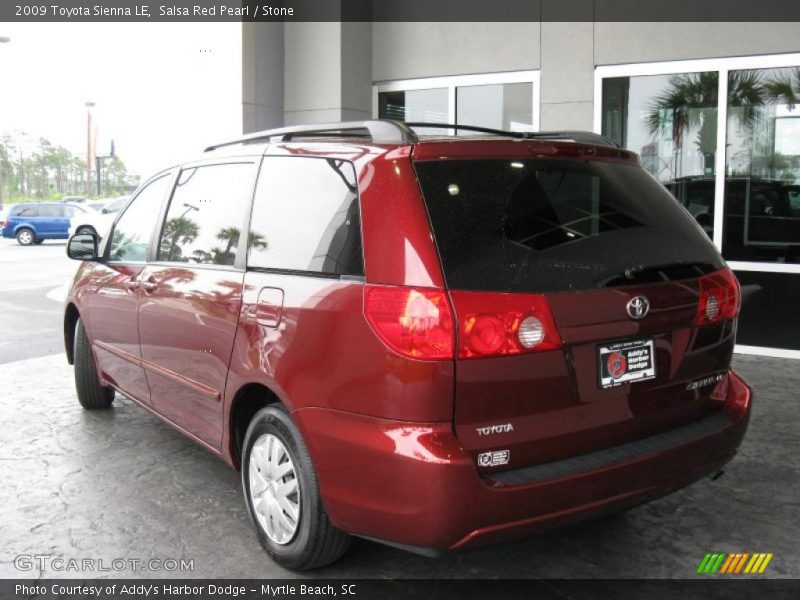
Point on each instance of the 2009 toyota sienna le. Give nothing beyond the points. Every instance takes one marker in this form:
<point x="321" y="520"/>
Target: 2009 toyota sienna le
<point x="434" y="342"/>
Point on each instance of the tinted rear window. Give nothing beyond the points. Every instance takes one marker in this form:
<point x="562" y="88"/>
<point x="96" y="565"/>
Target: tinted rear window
<point x="558" y="225"/>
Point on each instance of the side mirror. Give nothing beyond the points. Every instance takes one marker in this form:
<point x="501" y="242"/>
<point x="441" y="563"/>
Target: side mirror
<point x="82" y="246"/>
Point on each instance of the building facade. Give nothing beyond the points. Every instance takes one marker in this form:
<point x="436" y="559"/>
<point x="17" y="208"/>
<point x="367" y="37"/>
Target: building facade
<point x="713" y="109"/>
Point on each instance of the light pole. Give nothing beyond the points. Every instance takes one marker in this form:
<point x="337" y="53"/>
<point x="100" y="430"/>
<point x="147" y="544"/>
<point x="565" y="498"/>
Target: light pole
<point x="99" y="162"/>
<point x="89" y="150"/>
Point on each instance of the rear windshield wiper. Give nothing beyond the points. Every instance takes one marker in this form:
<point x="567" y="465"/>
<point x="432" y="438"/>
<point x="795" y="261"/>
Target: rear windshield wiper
<point x="656" y="274"/>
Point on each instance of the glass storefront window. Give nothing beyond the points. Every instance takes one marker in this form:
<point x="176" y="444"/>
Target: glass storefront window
<point x="765" y="295"/>
<point x="671" y="122"/>
<point x="762" y="171"/>
<point x="506" y="106"/>
<point x="429" y="106"/>
<point x="505" y="101"/>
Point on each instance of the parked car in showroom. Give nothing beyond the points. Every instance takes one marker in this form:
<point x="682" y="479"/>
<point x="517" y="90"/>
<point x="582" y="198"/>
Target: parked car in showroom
<point x="434" y="342"/>
<point x="34" y="222"/>
<point x="98" y="222"/>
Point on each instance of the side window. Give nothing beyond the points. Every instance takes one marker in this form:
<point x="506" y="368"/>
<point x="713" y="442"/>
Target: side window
<point x="205" y="216"/>
<point x="25" y="210"/>
<point x="73" y="211"/>
<point x="51" y="210"/>
<point x="306" y="217"/>
<point x="131" y="237"/>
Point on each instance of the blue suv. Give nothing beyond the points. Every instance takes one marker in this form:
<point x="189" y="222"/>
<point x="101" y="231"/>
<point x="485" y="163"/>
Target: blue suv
<point x="35" y="222"/>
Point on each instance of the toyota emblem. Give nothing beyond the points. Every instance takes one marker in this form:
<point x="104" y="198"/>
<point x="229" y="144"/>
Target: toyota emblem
<point x="638" y="307"/>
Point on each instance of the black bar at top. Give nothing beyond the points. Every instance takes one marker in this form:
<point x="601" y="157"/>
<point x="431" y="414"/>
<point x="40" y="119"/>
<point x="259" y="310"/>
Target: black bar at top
<point x="402" y="10"/>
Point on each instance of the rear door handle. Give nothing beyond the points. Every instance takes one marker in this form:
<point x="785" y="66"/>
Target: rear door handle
<point x="133" y="284"/>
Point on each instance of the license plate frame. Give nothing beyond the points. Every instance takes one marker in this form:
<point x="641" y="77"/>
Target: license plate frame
<point x="629" y="361"/>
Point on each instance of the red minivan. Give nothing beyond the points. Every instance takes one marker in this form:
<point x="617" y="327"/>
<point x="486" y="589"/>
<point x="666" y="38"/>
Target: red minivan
<point x="433" y="342"/>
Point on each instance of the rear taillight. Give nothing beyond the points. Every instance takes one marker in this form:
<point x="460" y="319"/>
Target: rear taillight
<point x="5" y="223"/>
<point x="720" y="298"/>
<point x="492" y="324"/>
<point x="414" y="322"/>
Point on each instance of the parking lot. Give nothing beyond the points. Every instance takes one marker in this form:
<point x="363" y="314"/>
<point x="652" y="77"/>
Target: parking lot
<point x="121" y="484"/>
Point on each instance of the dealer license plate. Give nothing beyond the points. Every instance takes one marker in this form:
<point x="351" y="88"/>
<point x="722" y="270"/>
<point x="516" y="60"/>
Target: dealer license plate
<point x="626" y="362"/>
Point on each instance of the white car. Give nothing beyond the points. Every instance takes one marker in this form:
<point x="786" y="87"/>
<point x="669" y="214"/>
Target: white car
<point x="97" y="222"/>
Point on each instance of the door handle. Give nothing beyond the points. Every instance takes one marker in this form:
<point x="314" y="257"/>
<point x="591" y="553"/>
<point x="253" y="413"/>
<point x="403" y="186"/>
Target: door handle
<point x="133" y="284"/>
<point x="149" y="285"/>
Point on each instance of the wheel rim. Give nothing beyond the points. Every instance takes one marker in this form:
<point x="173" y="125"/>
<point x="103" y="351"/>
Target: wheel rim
<point x="25" y="237"/>
<point x="274" y="489"/>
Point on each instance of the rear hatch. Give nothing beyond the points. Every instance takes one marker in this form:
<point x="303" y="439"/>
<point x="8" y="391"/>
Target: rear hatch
<point x="576" y="280"/>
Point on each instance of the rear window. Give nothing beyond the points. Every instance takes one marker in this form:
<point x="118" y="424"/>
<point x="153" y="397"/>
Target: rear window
<point x="24" y="210"/>
<point x="557" y="225"/>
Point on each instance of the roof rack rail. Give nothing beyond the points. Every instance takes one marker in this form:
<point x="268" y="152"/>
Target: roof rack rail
<point x="379" y="130"/>
<point x="583" y="137"/>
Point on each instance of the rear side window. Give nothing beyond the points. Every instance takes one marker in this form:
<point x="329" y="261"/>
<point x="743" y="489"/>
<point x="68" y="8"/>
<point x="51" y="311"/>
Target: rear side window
<point x="206" y="214"/>
<point x="557" y="225"/>
<point x="306" y="217"/>
<point x="25" y="210"/>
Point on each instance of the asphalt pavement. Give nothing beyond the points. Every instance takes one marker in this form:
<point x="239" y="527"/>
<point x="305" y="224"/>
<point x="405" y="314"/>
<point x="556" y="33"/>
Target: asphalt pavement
<point x="33" y="282"/>
<point x="114" y="484"/>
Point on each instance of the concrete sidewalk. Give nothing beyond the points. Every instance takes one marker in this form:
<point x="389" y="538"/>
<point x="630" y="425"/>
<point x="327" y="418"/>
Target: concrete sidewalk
<point x="120" y="484"/>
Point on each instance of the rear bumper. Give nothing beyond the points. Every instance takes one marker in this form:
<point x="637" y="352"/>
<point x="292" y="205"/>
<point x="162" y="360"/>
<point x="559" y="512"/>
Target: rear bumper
<point x="413" y="484"/>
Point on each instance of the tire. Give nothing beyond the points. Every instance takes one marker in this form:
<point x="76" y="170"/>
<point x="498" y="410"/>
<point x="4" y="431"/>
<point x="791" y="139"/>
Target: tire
<point x="314" y="542"/>
<point x="25" y="237"/>
<point x="91" y="394"/>
<point x="38" y="241"/>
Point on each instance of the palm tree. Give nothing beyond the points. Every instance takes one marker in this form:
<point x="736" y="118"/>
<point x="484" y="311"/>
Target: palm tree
<point x="256" y="240"/>
<point x="784" y="88"/>
<point x="747" y="93"/>
<point x="690" y="102"/>
<point x="683" y="105"/>
<point x="229" y="235"/>
<point x="179" y="231"/>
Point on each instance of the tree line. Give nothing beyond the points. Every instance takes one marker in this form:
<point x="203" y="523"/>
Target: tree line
<point x="41" y="170"/>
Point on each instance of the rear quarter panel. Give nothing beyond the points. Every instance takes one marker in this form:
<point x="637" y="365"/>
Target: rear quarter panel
<point x="323" y="354"/>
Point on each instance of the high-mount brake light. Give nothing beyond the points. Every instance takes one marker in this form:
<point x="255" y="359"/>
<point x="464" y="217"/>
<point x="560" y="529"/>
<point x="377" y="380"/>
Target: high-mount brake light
<point x="497" y="324"/>
<point x="414" y="322"/>
<point x="720" y="298"/>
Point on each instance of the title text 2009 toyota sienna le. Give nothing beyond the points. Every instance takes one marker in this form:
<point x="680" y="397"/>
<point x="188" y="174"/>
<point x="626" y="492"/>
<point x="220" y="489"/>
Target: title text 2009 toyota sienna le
<point x="435" y="342"/>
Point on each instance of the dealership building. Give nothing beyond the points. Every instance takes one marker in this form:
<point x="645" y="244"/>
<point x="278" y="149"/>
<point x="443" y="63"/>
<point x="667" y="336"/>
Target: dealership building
<point x="709" y="107"/>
